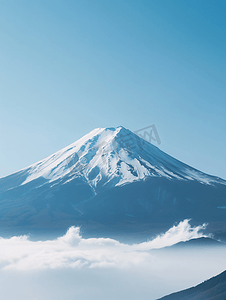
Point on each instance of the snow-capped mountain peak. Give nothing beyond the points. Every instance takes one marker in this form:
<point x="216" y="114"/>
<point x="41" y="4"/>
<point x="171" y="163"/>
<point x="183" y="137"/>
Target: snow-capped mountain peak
<point x="109" y="177"/>
<point x="112" y="156"/>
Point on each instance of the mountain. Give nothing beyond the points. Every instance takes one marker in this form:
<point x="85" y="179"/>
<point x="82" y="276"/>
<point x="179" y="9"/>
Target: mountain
<point x="212" y="289"/>
<point x="110" y="181"/>
<point x="195" y="243"/>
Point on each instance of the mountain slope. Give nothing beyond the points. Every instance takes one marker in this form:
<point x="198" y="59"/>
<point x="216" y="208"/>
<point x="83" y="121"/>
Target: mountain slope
<point x="110" y="179"/>
<point x="212" y="289"/>
<point x="196" y="243"/>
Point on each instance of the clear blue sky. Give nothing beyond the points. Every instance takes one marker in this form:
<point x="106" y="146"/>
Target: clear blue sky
<point x="67" y="67"/>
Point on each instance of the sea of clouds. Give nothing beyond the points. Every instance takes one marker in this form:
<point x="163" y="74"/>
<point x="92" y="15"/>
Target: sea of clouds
<point x="73" y="251"/>
<point x="71" y="267"/>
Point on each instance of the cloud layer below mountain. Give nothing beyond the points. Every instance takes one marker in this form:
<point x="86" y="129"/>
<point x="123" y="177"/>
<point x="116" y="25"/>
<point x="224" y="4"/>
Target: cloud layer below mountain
<point x="71" y="267"/>
<point x="73" y="251"/>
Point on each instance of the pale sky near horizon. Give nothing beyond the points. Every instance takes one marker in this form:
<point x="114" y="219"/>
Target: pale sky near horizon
<point x="67" y="67"/>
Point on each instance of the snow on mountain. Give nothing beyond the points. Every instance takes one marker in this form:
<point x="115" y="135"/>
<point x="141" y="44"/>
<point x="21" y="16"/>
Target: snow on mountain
<point x="109" y="180"/>
<point x="114" y="156"/>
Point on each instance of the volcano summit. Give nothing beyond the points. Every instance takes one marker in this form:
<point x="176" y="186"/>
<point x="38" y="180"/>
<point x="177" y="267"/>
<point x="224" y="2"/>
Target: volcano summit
<point x="109" y="182"/>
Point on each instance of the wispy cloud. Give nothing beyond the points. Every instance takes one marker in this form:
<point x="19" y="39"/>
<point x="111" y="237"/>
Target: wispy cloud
<point x="178" y="233"/>
<point x="73" y="251"/>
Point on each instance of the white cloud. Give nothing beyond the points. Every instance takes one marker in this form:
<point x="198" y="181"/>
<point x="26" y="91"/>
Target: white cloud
<point x="178" y="233"/>
<point x="73" y="251"/>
